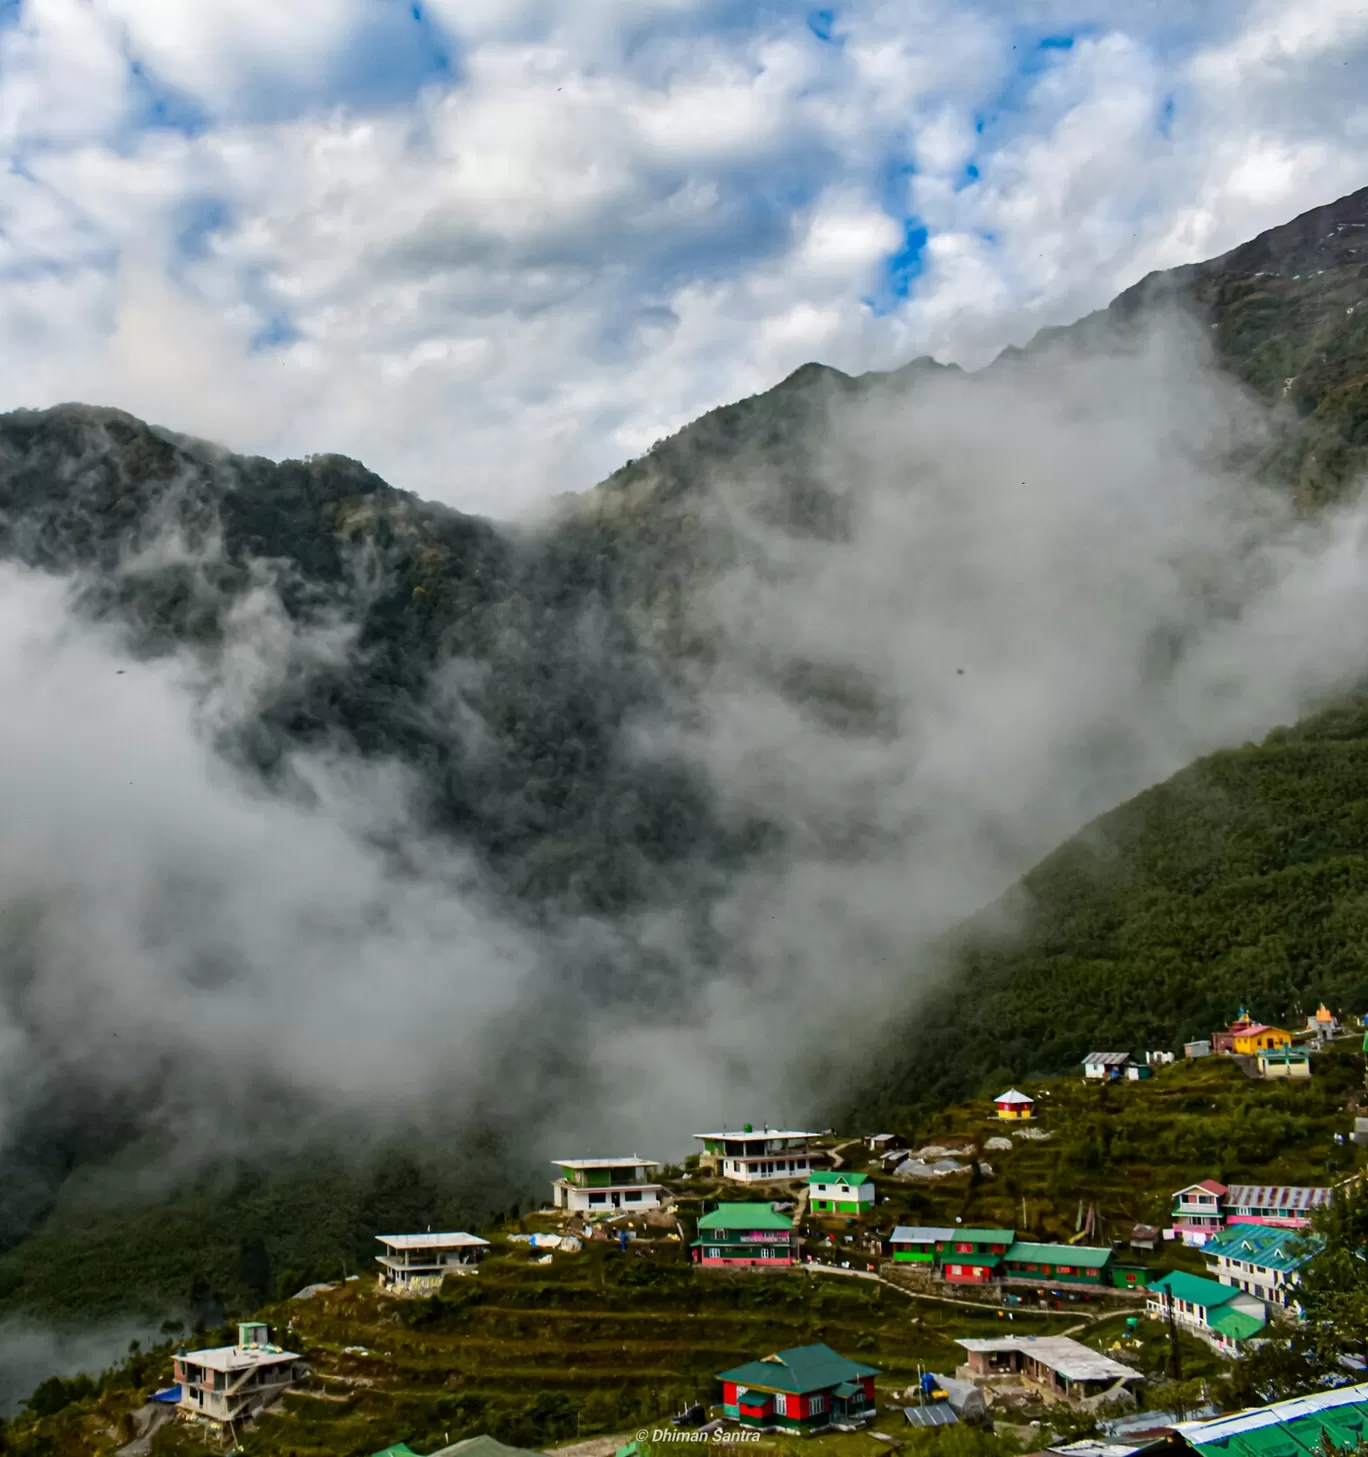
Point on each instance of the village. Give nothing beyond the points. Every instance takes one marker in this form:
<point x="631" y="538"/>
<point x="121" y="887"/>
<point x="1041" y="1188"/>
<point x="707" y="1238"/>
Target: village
<point x="995" y="1272"/>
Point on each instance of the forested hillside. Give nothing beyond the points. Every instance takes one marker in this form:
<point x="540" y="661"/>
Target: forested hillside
<point x="647" y="812"/>
<point x="1242" y="882"/>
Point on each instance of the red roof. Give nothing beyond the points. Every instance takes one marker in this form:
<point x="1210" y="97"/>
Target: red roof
<point x="1256" y="1027"/>
<point x="1208" y="1186"/>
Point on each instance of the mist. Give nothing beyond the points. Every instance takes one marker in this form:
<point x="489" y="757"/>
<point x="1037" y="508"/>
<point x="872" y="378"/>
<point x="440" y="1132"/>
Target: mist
<point x="1053" y="584"/>
<point x="30" y="1353"/>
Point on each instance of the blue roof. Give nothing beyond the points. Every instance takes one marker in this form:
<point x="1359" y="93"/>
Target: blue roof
<point x="1271" y="1249"/>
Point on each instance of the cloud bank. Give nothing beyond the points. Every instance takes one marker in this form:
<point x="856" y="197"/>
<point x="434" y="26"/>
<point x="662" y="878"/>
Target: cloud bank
<point x="496" y="249"/>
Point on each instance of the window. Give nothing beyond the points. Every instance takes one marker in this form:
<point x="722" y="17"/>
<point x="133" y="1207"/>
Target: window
<point x="956" y="1270"/>
<point x="714" y="1254"/>
<point x="632" y="1198"/>
<point x="816" y="1404"/>
<point x="598" y="1198"/>
<point x="780" y="1405"/>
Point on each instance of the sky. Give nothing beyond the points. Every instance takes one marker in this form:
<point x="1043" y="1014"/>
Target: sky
<point x="494" y="248"/>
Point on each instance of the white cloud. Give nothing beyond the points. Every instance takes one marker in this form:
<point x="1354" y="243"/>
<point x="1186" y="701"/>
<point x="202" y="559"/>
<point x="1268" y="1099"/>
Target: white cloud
<point x="618" y="215"/>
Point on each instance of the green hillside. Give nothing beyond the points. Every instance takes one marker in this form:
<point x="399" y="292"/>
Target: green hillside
<point x="1242" y="881"/>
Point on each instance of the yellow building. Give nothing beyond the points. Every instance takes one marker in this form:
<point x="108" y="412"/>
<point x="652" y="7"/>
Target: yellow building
<point x="1251" y="1041"/>
<point x="1013" y="1104"/>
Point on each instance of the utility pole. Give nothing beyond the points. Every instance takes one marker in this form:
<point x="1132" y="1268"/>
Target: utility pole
<point x="1175" y="1351"/>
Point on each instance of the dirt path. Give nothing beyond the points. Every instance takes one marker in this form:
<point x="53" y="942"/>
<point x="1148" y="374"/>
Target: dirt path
<point x="598" y="1446"/>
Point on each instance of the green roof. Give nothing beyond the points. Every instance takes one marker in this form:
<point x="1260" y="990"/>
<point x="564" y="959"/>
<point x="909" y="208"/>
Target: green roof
<point x="831" y="1176"/>
<point x="1194" y="1289"/>
<point x="1086" y="1257"/>
<point x="952" y="1258"/>
<point x="799" y="1371"/>
<point x="847" y="1389"/>
<point x="1269" y="1248"/>
<point x="400" y="1449"/>
<point x="1300" y="1436"/>
<point x="1235" y="1324"/>
<point x="744" y="1216"/>
<point x="982" y="1237"/>
<point x="484" y="1446"/>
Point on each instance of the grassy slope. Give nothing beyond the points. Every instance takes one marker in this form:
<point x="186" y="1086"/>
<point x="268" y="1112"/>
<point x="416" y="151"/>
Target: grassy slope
<point x="598" y="1342"/>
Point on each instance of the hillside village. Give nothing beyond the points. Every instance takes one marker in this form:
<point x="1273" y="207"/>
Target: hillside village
<point x="1044" y="1264"/>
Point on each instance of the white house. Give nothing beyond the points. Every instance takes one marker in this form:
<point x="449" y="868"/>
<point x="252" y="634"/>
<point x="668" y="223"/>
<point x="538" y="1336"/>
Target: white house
<point x="606" y="1186"/>
<point x="766" y="1156"/>
<point x="234" y="1383"/>
<point x="837" y="1191"/>
<point x="420" y="1262"/>
<point x="1262" y="1261"/>
<point x="1222" y="1315"/>
<point x="1106" y="1066"/>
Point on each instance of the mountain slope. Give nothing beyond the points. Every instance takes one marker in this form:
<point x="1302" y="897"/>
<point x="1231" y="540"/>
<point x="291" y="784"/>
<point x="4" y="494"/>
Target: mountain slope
<point x="516" y="677"/>
<point x="1241" y="882"/>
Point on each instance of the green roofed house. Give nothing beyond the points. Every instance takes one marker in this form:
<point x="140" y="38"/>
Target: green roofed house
<point x="802" y="1390"/>
<point x="1305" y="1426"/>
<point x="972" y="1256"/>
<point x="1222" y="1315"/>
<point x="834" y="1192"/>
<point x="744" y="1236"/>
<point x="400" y="1449"/>
<point x="1057" y="1264"/>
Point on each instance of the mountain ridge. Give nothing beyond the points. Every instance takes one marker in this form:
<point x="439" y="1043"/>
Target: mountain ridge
<point x="510" y="671"/>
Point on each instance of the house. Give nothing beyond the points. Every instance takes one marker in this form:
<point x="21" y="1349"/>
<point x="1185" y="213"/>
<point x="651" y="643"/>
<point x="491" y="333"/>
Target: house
<point x="1199" y="1210"/>
<point x="1013" y="1104"/>
<point x="1200" y="1048"/>
<point x="1284" y="1062"/>
<point x="1324" y="1024"/>
<point x="1159" y="1059"/>
<point x="1106" y="1066"/>
<point x="1057" y="1264"/>
<point x="233" y="1383"/>
<point x="748" y="1157"/>
<point x="606" y="1186"/>
<point x="1284" y="1206"/>
<point x="1058" y="1363"/>
<point x="1260" y="1260"/>
<point x="802" y="1390"/>
<point x="1144" y="1237"/>
<point x="1138" y="1071"/>
<point x="972" y="1256"/>
<point x="880" y="1143"/>
<point x="1304" y="1424"/>
<point x="918" y="1244"/>
<point x="840" y="1193"/>
<point x="744" y="1236"/>
<point x="1221" y="1315"/>
<point x="414" y="1262"/>
<point x="1259" y="1038"/>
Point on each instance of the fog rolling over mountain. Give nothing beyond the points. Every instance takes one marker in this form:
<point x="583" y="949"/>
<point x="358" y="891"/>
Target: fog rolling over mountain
<point x="336" y="820"/>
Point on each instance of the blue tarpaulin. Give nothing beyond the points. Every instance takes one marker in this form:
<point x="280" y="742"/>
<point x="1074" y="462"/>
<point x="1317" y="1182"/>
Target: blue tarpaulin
<point x="171" y="1396"/>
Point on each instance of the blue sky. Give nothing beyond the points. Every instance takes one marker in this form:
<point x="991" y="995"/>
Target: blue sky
<point x="494" y="247"/>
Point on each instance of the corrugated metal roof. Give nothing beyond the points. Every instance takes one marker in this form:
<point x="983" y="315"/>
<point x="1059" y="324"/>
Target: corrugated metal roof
<point x="744" y="1216"/>
<point x="429" y="1241"/>
<point x="1085" y="1256"/>
<point x="623" y="1163"/>
<point x="1106" y="1059"/>
<point x="1277" y="1196"/>
<point x="1285" y="1250"/>
<point x="1013" y="1095"/>
<point x="1073" y="1360"/>
<point x="1195" y="1289"/>
<point x="919" y="1234"/>
<point x="938" y="1414"/>
<point x="1236" y="1325"/>
<point x="803" y="1369"/>
<point x="1220" y="1431"/>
